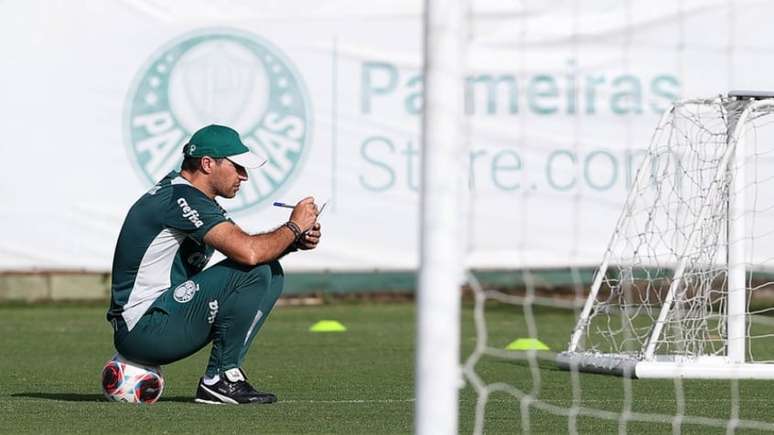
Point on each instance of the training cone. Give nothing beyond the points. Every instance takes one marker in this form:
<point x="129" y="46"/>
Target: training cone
<point x="527" y="344"/>
<point x="327" y="326"/>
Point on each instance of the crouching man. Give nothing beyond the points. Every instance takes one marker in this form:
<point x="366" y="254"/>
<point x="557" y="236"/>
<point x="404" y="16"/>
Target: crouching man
<point x="164" y="306"/>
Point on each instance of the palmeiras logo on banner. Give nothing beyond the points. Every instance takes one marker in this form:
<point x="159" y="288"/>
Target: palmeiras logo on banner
<point x="220" y="76"/>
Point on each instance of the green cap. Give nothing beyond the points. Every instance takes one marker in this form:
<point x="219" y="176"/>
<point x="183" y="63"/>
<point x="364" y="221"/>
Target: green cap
<point x="218" y="141"/>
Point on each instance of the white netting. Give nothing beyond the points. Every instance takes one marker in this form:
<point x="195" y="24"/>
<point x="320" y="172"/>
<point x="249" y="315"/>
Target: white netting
<point x="665" y="225"/>
<point x="586" y="53"/>
<point x="665" y="276"/>
<point x="675" y="223"/>
<point x="577" y="402"/>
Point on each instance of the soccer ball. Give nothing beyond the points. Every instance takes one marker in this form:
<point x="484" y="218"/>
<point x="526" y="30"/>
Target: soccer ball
<point x="125" y="381"/>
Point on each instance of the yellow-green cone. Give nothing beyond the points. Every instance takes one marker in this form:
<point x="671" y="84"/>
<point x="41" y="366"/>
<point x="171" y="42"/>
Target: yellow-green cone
<point x="327" y="326"/>
<point x="527" y="344"/>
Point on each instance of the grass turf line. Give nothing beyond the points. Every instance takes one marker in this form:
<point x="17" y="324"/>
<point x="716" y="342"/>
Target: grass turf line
<point x="360" y="381"/>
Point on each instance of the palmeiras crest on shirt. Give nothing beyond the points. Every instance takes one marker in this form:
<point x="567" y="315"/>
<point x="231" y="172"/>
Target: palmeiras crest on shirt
<point x="220" y="76"/>
<point x="185" y="291"/>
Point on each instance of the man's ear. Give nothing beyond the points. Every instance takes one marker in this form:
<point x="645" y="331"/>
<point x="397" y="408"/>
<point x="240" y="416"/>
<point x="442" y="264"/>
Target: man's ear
<point x="206" y="164"/>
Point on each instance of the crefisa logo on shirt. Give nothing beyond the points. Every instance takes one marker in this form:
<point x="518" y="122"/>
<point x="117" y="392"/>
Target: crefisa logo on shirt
<point x="220" y="76"/>
<point x="189" y="213"/>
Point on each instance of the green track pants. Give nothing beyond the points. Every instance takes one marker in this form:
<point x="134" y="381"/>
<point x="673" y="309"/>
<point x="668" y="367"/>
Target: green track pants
<point x="225" y="304"/>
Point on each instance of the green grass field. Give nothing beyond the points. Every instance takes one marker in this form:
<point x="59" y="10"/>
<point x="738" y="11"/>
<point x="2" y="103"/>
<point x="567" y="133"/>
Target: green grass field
<point x="360" y="381"/>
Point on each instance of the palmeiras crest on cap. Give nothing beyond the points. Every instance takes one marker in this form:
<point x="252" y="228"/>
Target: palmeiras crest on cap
<point x="227" y="77"/>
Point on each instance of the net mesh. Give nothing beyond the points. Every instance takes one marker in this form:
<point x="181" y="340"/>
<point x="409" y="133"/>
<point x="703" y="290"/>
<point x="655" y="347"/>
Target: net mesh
<point x="675" y="221"/>
<point x="679" y="217"/>
<point x="666" y="226"/>
<point x="667" y="261"/>
<point x="586" y="403"/>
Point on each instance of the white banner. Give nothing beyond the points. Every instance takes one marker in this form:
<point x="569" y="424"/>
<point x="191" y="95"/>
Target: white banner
<point x="97" y="99"/>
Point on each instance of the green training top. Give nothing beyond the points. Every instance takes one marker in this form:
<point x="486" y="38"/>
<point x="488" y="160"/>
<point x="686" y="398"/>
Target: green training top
<point x="160" y="245"/>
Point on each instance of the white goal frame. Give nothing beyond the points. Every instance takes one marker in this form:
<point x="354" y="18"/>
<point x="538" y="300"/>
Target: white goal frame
<point x="443" y="204"/>
<point x="648" y="364"/>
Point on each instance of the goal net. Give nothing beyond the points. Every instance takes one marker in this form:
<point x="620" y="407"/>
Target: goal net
<point x="681" y="293"/>
<point x="675" y="294"/>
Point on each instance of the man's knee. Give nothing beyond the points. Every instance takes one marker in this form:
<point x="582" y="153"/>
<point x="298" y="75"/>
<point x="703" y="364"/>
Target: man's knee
<point x="266" y="273"/>
<point x="260" y="272"/>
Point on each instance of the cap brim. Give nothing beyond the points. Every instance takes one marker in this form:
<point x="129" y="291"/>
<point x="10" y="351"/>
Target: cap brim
<point x="247" y="160"/>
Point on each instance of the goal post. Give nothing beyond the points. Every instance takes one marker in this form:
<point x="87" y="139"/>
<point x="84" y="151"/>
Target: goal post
<point x="672" y="296"/>
<point x="444" y="179"/>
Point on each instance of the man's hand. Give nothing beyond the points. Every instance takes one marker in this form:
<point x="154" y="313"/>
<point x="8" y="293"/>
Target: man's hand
<point x="304" y="214"/>
<point x="311" y="238"/>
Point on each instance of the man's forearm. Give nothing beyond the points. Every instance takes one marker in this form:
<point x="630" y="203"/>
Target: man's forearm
<point x="273" y="245"/>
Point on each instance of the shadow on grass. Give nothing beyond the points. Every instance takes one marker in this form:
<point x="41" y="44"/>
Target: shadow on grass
<point x="543" y="362"/>
<point x="77" y="397"/>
